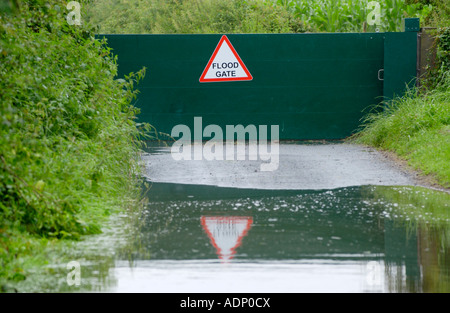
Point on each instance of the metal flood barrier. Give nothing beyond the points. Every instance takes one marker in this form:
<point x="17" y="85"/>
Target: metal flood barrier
<point x="313" y="85"/>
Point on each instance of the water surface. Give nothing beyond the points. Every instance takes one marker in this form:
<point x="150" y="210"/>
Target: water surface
<point x="194" y="238"/>
<point x="362" y="239"/>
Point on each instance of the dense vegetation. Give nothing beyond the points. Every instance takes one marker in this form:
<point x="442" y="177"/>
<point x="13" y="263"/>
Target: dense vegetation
<point x="439" y="15"/>
<point x="191" y="16"/>
<point x="353" y="15"/>
<point x="253" y="16"/>
<point x="417" y="128"/>
<point x="69" y="149"/>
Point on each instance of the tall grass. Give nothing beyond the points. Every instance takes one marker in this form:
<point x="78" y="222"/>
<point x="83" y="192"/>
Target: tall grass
<point x="416" y="127"/>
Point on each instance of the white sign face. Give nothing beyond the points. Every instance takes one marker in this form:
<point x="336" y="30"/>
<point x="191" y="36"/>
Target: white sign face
<point x="225" y="65"/>
<point x="226" y="233"/>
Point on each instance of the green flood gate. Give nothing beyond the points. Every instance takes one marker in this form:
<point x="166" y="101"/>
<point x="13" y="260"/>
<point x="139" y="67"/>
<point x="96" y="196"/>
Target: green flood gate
<point x="314" y="86"/>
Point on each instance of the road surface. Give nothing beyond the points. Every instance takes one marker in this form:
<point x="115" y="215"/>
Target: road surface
<point x="300" y="166"/>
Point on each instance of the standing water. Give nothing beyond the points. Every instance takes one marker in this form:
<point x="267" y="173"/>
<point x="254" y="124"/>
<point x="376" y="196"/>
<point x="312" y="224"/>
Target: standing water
<point x="202" y="238"/>
<point x="360" y="239"/>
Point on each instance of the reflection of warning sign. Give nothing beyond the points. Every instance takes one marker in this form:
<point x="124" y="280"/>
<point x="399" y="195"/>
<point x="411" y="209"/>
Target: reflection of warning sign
<point x="225" y="65"/>
<point x="226" y="232"/>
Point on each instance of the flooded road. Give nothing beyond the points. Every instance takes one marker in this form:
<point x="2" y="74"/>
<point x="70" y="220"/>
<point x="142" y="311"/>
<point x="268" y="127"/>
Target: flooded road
<point x="226" y="227"/>
<point x="331" y="218"/>
<point x="357" y="239"/>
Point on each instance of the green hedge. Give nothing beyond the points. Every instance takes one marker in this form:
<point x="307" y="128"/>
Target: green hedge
<point x="69" y="142"/>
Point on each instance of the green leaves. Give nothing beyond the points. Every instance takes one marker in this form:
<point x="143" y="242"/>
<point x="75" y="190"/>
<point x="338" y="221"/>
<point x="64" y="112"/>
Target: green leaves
<point x="69" y="141"/>
<point x="438" y="74"/>
<point x="192" y="16"/>
<point x="351" y="15"/>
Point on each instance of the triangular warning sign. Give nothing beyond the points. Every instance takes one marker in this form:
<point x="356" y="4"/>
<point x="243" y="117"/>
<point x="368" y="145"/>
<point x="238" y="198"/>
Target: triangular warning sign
<point x="225" y="65"/>
<point x="226" y="233"/>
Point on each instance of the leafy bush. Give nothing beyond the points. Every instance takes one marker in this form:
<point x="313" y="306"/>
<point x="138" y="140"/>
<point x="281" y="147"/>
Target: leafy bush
<point x="443" y="51"/>
<point x="69" y="149"/>
<point x="439" y="15"/>
<point x="191" y="16"/>
<point x="437" y="72"/>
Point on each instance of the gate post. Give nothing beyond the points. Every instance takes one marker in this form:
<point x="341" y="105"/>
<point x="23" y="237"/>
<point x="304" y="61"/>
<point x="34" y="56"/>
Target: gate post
<point x="401" y="59"/>
<point x="413" y="25"/>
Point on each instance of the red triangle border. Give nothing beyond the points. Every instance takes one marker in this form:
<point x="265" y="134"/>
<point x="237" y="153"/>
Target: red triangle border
<point x="227" y="79"/>
<point x="249" y="222"/>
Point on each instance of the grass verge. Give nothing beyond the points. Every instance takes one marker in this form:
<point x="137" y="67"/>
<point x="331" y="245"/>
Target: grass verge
<point x="417" y="128"/>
